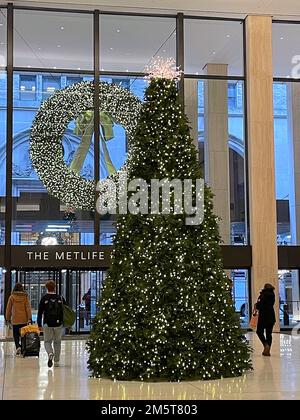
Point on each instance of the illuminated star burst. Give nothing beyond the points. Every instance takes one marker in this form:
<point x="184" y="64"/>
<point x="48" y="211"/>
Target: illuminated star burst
<point x="163" y="68"/>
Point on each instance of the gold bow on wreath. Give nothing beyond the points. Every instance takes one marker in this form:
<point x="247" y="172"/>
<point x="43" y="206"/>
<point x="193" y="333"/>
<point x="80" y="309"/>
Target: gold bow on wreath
<point x="85" y="128"/>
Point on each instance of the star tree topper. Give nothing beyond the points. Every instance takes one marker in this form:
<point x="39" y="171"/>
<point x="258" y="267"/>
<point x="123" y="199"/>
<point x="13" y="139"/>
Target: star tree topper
<point x="163" y="68"/>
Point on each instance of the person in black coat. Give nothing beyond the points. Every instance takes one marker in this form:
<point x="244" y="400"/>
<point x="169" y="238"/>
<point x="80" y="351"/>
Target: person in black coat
<point x="266" y="317"/>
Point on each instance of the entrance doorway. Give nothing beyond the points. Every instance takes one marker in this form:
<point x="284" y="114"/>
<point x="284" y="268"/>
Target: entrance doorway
<point x="80" y="288"/>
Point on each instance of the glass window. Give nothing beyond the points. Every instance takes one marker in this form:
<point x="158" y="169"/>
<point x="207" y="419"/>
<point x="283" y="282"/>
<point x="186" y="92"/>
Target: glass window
<point x="286" y="54"/>
<point x="213" y="42"/>
<point x="50" y="85"/>
<point x="116" y="149"/>
<point x="2" y="285"/>
<point x="71" y="80"/>
<point x="53" y="40"/>
<point x="232" y="95"/>
<point x="286" y="99"/>
<point x="27" y="87"/>
<point x="284" y="174"/>
<point x="3" y="115"/>
<point x="289" y="305"/>
<point x="224" y="117"/>
<point x="127" y="43"/>
<point x="2" y="38"/>
<point x="37" y="216"/>
<point x="240" y="295"/>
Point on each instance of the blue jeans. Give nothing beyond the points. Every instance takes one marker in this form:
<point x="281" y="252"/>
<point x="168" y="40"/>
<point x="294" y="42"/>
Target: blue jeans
<point x="16" y="334"/>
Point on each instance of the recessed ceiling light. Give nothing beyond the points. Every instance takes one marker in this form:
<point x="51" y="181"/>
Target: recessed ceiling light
<point x="78" y="68"/>
<point x="111" y="48"/>
<point x="281" y="37"/>
<point x="102" y="69"/>
<point x="58" y="46"/>
<point x="1" y="24"/>
<point x="54" y="67"/>
<point x="288" y="76"/>
<point x="163" y="51"/>
<point x="62" y="28"/>
<point x="227" y="36"/>
<point x="39" y="48"/>
<point x="127" y="70"/>
<point x="214" y="52"/>
<point x="29" y="67"/>
<point x="118" y="30"/>
<point x="197" y="72"/>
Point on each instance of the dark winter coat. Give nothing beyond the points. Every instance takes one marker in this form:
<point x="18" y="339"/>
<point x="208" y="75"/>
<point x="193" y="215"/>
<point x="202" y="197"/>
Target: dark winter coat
<point x="265" y="306"/>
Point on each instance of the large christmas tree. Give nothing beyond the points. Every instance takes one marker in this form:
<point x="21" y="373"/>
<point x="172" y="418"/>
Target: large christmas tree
<point x="166" y="310"/>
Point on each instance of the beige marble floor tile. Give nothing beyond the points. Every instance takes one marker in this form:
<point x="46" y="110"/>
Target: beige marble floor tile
<point x="277" y="377"/>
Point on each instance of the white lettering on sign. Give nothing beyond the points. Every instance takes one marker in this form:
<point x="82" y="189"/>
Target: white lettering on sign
<point x="41" y="256"/>
<point x="59" y="255"/>
<point x="66" y="255"/>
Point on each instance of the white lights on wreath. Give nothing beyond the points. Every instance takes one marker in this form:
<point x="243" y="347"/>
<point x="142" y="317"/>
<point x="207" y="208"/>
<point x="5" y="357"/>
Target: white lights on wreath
<point x="50" y="124"/>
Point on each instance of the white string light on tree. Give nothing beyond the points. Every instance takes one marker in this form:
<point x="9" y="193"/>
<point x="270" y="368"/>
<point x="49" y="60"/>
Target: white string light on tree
<point x="165" y="310"/>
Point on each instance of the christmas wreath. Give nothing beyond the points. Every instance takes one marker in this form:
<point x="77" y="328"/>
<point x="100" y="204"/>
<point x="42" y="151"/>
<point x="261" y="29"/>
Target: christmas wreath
<point x="117" y="105"/>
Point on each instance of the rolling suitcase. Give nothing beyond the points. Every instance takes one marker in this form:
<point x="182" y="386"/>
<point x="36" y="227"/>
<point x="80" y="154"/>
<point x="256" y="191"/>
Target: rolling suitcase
<point x="30" y="341"/>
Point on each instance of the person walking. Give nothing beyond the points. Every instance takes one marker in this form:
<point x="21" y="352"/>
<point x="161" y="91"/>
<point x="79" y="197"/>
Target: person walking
<point x="51" y="310"/>
<point x="18" y="312"/>
<point x="87" y="300"/>
<point x="266" y="317"/>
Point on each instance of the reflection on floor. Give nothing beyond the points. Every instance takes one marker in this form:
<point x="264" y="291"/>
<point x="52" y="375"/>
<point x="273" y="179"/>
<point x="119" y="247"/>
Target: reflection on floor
<point x="277" y="377"/>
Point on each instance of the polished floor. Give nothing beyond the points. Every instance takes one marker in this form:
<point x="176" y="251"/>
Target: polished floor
<point x="277" y="377"/>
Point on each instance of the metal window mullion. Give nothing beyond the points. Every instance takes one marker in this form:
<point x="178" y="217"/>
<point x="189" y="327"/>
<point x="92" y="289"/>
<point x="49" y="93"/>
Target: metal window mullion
<point x="9" y="151"/>
<point x="96" y="119"/>
<point x="180" y="52"/>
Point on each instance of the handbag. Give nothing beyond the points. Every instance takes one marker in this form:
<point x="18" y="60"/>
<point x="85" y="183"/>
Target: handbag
<point x="254" y="320"/>
<point x="69" y="316"/>
<point x="8" y="330"/>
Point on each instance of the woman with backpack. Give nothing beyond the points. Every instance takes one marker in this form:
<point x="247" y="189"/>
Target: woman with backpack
<point x="18" y="312"/>
<point x="51" y="310"/>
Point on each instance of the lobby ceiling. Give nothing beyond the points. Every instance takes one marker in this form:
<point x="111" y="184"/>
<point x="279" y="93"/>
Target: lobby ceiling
<point x="128" y="43"/>
<point x="242" y="7"/>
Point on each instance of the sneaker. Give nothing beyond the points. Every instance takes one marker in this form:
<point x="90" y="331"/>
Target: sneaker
<point x="50" y="360"/>
<point x="18" y="352"/>
<point x="56" y="364"/>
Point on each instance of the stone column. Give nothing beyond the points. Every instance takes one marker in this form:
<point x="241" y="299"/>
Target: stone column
<point x="216" y="150"/>
<point x="293" y="97"/>
<point x="261" y="160"/>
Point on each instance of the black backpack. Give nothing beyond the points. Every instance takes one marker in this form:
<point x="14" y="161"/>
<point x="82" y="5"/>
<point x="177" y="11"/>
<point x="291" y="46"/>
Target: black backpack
<point x="54" y="311"/>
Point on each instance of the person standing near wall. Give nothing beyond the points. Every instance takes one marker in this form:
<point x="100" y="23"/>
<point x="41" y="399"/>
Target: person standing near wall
<point x="87" y="300"/>
<point x="266" y="317"/>
<point x="51" y="309"/>
<point x="18" y="312"/>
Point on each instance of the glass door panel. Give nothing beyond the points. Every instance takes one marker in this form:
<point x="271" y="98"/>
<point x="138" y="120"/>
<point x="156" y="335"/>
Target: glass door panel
<point x="34" y="284"/>
<point x="240" y="295"/>
<point x="84" y="292"/>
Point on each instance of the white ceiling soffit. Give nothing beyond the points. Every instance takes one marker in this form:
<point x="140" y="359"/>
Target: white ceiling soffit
<point x="240" y="8"/>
